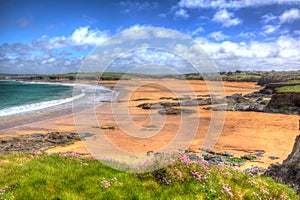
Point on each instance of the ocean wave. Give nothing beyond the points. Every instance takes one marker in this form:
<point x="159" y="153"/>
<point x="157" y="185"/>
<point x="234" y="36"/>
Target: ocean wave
<point x="37" y="106"/>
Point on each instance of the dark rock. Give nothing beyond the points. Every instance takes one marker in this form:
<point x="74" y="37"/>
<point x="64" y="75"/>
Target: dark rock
<point x="175" y="111"/>
<point x="193" y="156"/>
<point x="149" y="153"/>
<point x="254" y="95"/>
<point x="182" y="98"/>
<point x="273" y="157"/>
<point x="169" y="104"/>
<point x="193" y="102"/>
<point x="31" y="142"/>
<point x="208" y="150"/>
<point x="255" y="170"/>
<point x="248" y="157"/>
<point x="239" y="107"/>
<point x="260" y="154"/>
<point x="158" y="105"/>
<point x="289" y="171"/>
<point x="225" y="153"/>
<point x="150" y="106"/>
<point x="236" y="98"/>
<point x="166" y="98"/>
<point x="284" y="100"/>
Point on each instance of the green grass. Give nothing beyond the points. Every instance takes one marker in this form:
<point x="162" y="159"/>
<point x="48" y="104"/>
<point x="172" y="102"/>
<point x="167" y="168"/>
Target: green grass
<point x="70" y="176"/>
<point x="289" y="82"/>
<point x="239" y="77"/>
<point x="295" y="88"/>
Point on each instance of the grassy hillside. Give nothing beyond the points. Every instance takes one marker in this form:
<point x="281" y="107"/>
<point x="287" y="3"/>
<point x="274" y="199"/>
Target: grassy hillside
<point x="71" y="176"/>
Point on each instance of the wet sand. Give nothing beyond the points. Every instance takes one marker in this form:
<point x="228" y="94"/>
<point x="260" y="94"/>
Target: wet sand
<point x="242" y="133"/>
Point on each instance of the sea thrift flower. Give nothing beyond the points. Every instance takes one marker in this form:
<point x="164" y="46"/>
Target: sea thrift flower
<point x="164" y="180"/>
<point x="185" y="159"/>
<point x="105" y="184"/>
<point x="197" y="175"/>
<point x="264" y="191"/>
<point x="227" y="189"/>
<point x="37" y="152"/>
<point x="179" y="175"/>
<point x="283" y="196"/>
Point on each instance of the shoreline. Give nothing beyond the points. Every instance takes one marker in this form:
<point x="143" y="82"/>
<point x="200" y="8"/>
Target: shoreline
<point x="43" y="114"/>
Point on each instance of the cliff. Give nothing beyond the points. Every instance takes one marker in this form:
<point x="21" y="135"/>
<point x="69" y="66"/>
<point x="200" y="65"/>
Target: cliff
<point x="289" y="171"/>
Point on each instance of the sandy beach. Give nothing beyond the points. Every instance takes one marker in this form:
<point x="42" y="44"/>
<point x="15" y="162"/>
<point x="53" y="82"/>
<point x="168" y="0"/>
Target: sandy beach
<point x="242" y="133"/>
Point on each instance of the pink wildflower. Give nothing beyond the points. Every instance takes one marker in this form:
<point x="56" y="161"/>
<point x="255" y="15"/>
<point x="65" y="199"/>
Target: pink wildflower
<point x="227" y="189"/>
<point x="185" y="159"/>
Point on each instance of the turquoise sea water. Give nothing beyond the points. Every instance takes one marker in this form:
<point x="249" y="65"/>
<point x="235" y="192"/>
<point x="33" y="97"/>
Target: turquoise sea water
<point x="22" y="103"/>
<point x="13" y="93"/>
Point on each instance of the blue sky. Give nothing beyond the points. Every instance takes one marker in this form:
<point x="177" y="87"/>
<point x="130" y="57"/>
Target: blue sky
<point x="51" y="36"/>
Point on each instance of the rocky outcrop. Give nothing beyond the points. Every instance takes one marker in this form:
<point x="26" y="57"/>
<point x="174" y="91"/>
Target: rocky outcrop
<point x="285" y="99"/>
<point x="175" y="111"/>
<point x="289" y="171"/>
<point x="277" y="78"/>
<point x="37" y="141"/>
<point x="193" y="102"/>
<point x="272" y="87"/>
<point x="237" y="102"/>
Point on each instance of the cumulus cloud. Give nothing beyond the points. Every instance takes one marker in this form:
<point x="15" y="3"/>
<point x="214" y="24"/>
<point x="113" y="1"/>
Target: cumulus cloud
<point x="281" y="54"/>
<point x="182" y="13"/>
<point x="270" y="29"/>
<point x="86" y="36"/>
<point x="231" y="3"/>
<point x="50" y="55"/>
<point x="64" y="54"/>
<point x="218" y="36"/>
<point x="289" y="15"/>
<point x="269" y="17"/>
<point x="272" y="24"/>
<point x="226" y="18"/>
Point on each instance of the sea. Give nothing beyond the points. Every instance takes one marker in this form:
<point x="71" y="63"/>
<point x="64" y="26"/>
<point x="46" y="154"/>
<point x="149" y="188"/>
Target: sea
<point x="19" y="98"/>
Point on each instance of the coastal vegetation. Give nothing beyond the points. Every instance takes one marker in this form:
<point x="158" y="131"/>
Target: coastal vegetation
<point x="295" y="88"/>
<point x="39" y="175"/>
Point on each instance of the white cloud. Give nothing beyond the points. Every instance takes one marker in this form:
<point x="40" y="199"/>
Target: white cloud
<point x="50" y="55"/>
<point x="281" y="54"/>
<point x="182" y="13"/>
<point x="86" y="36"/>
<point x="268" y="18"/>
<point x="289" y="15"/>
<point x="60" y="54"/>
<point x="226" y="18"/>
<point x="270" y="29"/>
<point x="130" y="6"/>
<point x="197" y="31"/>
<point x="231" y="3"/>
<point x="218" y="36"/>
<point x="246" y="35"/>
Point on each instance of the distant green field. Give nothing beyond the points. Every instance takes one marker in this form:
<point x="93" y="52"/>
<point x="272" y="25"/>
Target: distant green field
<point x="295" y="88"/>
<point x="241" y="77"/>
<point x="289" y="82"/>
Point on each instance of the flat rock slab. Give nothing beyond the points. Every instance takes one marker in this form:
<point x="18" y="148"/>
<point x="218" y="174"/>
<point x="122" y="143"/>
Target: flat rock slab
<point x="36" y="141"/>
<point x="175" y="111"/>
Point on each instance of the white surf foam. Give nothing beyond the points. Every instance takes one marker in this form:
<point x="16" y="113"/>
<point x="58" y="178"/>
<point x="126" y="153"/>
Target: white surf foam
<point x="36" y="106"/>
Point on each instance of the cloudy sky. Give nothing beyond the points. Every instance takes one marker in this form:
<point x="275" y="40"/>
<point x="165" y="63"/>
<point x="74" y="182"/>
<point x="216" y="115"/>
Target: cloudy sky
<point x="51" y="36"/>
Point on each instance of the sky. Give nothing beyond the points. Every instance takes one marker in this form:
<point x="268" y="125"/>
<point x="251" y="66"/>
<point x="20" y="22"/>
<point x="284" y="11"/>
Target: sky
<point x="51" y="36"/>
